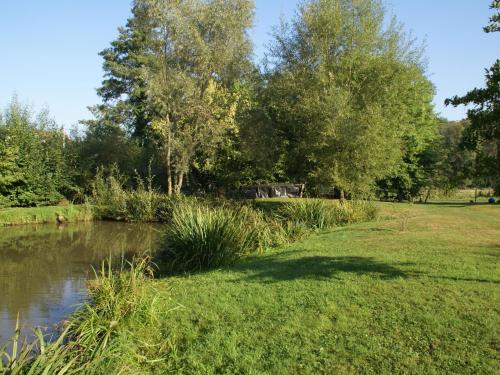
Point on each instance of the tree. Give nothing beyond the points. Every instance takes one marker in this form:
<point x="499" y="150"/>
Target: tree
<point x="484" y="116"/>
<point x="123" y="90"/>
<point x="34" y="166"/>
<point x="494" y="24"/>
<point x="343" y="92"/>
<point x="172" y="76"/>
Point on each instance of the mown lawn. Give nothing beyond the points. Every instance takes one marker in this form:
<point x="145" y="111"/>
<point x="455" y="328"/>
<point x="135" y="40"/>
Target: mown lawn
<point x="415" y="292"/>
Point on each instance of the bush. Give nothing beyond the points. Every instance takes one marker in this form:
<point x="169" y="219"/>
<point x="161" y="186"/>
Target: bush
<point x="201" y="237"/>
<point x="108" y="196"/>
<point x="113" y="201"/>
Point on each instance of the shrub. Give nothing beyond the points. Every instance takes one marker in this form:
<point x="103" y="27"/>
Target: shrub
<point x="202" y="237"/>
<point x="141" y="205"/>
<point x="109" y="196"/>
<point x="113" y="201"/>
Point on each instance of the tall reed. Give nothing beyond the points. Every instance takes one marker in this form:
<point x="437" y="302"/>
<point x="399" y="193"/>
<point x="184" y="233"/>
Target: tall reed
<point x="318" y="214"/>
<point x="86" y="343"/>
<point x="200" y="237"/>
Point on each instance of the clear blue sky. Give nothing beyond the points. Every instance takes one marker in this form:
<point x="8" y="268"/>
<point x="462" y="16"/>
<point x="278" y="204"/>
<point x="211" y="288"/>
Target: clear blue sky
<point x="48" y="49"/>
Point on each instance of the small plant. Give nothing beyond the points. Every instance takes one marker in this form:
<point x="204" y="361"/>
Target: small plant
<point x="403" y="220"/>
<point x="202" y="237"/>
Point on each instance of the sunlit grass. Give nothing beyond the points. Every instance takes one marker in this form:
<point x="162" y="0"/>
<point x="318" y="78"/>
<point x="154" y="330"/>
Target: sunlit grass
<point x="48" y="214"/>
<point x="377" y="297"/>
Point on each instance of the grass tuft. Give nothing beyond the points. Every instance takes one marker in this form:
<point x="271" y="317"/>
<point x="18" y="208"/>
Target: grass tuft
<point x="201" y="237"/>
<point x="318" y="214"/>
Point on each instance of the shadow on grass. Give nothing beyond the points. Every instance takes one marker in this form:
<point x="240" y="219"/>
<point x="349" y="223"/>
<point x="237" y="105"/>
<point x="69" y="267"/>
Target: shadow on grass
<point x="456" y="204"/>
<point x="452" y="278"/>
<point x="277" y="268"/>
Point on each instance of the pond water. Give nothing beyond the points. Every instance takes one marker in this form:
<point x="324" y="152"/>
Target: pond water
<point x="44" y="269"/>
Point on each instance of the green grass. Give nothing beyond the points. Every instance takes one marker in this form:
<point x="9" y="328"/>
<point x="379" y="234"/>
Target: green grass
<point x="47" y="214"/>
<point x="415" y="292"/>
<point x="368" y="298"/>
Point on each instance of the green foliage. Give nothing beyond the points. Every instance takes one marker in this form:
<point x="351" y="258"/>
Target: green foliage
<point x="483" y="119"/>
<point x="343" y="92"/>
<point x="171" y="79"/>
<point x="484" y="114"/>
<point x="35" y="168"/>
<point x="112" y="200"/>
<point x="103" y="145"/>
<point x="494" y="24"/>
<point x="201" y="237"/>
<point x="312" y="213"/>
<point x="113" y="297"/>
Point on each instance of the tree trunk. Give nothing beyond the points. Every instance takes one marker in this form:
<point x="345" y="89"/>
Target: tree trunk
<point x="428" y="195"/>
<point x="178" y="183"/>
<point x="342" y="195"/>
<point x="168" y="160"/>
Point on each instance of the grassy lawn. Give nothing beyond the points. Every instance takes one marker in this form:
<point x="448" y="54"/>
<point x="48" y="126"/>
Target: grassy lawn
<point x="46" y="214"/>
<point x="416" y="292"/>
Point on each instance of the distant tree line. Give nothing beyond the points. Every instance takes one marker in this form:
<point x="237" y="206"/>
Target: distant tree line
<point x="342" y="102"/>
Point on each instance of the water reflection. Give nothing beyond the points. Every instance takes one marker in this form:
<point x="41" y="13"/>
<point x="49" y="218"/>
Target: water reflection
<point x="44" y="269"/>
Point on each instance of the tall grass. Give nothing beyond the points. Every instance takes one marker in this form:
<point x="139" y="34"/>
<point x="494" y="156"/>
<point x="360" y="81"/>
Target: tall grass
<point x="318" y="214"/>
<point x="88" y="343"/>
<point x="201" y="237"/>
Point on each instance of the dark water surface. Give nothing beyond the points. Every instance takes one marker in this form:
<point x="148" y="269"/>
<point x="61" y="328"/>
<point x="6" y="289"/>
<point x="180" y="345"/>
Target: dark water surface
<point x="44" y="269"/>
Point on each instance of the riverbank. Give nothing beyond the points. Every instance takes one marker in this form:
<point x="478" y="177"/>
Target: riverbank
<point x="46" y="214"/>
<point x="414" y="292"/>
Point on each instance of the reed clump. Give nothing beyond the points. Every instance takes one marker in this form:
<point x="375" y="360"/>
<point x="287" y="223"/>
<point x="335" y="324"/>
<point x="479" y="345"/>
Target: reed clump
<point x="90" y="339"/>
<point x="318" y="214"/>
<point x="201" y="237"/>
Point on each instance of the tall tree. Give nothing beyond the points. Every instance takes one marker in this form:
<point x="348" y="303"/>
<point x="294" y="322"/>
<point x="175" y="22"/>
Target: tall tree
<point x="343" y="92"/>
<point x="122" y="90"/>
<point x="173" y="75"/>
<point x="200" y="50"/>
<point x="484" y="116"/>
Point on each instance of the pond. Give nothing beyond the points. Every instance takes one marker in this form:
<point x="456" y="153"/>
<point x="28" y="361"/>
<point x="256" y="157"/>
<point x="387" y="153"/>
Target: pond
<point x="44" y="269"/>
